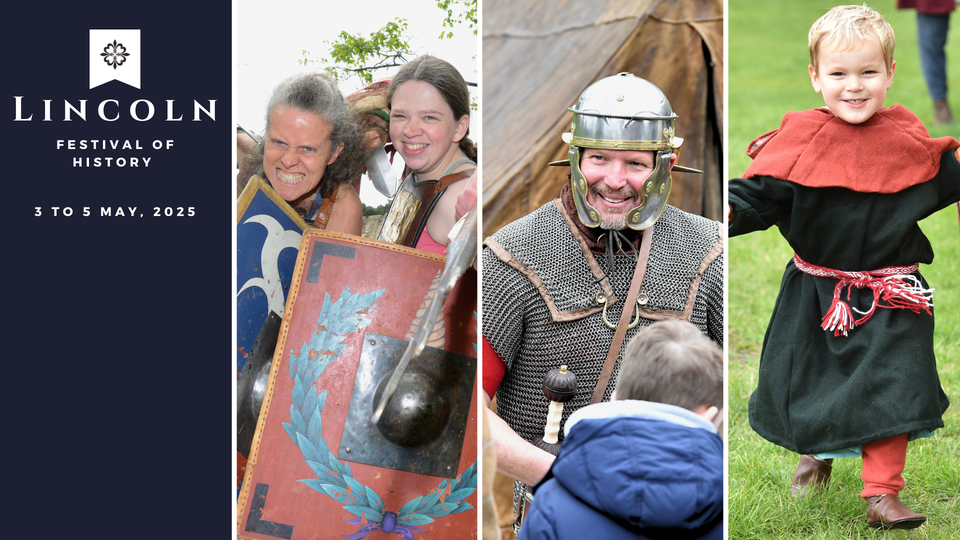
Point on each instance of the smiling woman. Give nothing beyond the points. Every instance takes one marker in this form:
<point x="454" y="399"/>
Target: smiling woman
<point x="429" y="123"/>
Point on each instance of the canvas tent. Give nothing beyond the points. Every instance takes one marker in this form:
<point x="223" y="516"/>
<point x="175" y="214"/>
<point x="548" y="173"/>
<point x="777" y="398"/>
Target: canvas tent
<point x="537" y="58"/>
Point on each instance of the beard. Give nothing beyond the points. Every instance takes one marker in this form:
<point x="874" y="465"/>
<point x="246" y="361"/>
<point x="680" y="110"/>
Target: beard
<point x="613" y="220"/>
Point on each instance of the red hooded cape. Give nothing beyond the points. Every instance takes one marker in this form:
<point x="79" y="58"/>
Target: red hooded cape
<point x="886" y="154"/>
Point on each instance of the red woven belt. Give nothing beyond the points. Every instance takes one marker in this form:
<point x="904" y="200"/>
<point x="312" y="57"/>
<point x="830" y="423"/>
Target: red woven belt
<point x="894" y="285"/>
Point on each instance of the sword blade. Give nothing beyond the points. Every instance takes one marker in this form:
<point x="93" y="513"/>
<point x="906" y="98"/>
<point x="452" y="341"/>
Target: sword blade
<point x="460" y="254"/>
<point x="381" y="172"/>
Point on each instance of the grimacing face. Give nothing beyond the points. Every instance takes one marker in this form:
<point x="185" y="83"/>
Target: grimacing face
<point x="297" y="151"/>
<point x="615" y="181"/>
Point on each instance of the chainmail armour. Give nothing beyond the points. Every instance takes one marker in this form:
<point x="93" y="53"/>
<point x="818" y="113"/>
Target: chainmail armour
<point x="539" y="308"/>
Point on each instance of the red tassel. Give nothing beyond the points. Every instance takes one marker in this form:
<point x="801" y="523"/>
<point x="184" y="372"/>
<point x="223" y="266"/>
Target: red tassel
<point x="839" y="318"/>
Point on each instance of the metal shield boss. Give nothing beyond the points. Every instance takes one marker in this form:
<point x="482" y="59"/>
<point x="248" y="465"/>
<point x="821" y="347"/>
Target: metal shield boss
<point x="318" y="468"/>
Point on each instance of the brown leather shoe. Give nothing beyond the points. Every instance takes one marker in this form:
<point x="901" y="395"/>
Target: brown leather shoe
<point x="810" y="469"/>
<point x="941" y="113"/>
<point x="887" y="512"/>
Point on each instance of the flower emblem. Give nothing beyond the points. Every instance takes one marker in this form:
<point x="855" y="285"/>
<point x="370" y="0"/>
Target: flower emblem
<point x="114" y="54"/>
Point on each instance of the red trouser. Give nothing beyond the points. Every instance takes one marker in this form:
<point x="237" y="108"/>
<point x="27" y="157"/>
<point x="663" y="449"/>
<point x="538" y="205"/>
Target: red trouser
<point x="883" y="463"/>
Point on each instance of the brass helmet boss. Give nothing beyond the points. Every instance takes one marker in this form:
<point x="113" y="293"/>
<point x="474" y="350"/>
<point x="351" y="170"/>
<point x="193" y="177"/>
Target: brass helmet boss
<point x="624" y="112"/>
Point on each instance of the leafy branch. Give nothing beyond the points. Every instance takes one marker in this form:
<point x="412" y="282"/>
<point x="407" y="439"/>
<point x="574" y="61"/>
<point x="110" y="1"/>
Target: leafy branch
<point x="354" y="54"/>
<point x="467" y="13"/>
<point x="388" y="47"/>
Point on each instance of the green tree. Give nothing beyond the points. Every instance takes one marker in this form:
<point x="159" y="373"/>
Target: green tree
<point x="375" y="211"/>
<point x="467" y="13"/>
<point x="388" y="47"/>
<point x="354" y="54"/>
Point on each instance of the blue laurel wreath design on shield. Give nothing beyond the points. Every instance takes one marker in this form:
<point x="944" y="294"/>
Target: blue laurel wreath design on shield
<point x="335" y="479"/>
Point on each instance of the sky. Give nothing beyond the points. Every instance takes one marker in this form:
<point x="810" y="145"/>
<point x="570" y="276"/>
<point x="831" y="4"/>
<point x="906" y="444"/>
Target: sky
<point x="270" y="36"/>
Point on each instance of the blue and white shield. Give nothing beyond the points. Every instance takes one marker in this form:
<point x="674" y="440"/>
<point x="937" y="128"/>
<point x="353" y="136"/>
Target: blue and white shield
<point x="268" y="239"/>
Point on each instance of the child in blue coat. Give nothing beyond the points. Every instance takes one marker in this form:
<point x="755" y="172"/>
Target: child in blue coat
<point x="648" y="463"/>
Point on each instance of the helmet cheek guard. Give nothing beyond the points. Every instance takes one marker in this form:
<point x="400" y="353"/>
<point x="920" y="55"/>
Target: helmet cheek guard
<point x="624" y="112"/>
<point x="588" y="214"/>
<point x="653" y="199"/>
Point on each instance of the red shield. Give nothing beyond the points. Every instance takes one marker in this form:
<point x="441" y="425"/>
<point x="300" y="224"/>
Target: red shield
<point x="301" y="478"/>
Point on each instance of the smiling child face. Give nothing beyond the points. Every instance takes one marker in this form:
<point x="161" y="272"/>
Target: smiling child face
<point x="853" y="82"/>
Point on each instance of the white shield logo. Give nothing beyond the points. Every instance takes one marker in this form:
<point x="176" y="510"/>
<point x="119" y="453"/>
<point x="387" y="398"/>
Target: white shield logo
<point x="115" y="55"/>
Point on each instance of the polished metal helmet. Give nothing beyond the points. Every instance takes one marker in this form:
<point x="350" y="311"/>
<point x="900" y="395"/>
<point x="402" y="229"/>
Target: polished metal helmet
<point x="624" y="112"/>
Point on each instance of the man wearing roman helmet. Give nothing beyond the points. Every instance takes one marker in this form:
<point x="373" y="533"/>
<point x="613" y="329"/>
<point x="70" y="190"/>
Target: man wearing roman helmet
<point x="572" y="282"/>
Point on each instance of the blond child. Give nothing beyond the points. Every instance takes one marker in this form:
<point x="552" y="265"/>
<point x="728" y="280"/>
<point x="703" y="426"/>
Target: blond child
<point x="847" y="366"/>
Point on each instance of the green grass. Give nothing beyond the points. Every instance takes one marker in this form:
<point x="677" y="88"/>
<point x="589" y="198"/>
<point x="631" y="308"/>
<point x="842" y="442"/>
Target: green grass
<point x="768" y="76"/>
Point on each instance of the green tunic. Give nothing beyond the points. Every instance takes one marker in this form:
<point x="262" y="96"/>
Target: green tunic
<point x="819" y="393"/>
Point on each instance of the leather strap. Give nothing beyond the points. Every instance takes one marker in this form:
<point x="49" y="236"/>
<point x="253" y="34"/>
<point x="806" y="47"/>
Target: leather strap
<point x="432" y="191"/>
<point x="625" y="317"/>
<point x="445" y="181"/>
<point x="326" y="208"/>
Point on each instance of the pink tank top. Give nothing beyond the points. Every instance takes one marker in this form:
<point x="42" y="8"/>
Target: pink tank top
<point x="427" y="243"/>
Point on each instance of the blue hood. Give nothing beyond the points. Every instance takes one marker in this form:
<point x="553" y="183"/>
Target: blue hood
<point x="642" y="465"/>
